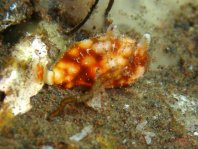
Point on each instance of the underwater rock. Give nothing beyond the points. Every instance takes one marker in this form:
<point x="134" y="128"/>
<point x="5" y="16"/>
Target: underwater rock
<point x="13" y="12"/>
<point x="67" y="11"/>
<point x="19" y="82"/>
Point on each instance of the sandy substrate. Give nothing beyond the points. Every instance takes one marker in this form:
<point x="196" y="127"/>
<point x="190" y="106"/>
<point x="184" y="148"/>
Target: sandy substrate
<point x="159" y="111"/>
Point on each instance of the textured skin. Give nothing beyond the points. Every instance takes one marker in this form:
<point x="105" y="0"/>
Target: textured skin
<point x="115" y="61"/>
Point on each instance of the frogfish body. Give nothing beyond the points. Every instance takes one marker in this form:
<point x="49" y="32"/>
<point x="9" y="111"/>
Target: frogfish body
<point x="115" y="60"/>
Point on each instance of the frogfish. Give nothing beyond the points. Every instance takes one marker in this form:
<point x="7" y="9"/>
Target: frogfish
<point x="114" y="60"/>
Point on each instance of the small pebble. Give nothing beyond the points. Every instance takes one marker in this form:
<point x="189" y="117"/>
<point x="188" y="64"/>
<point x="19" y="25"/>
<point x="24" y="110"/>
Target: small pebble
<point x="84" y="132"/>
<point x="148" y="137"/>
<point x="141" y="126"/>
<point x="126" y="107"/>
<point x="47" y="147"/>
<point x="195" y="133"/>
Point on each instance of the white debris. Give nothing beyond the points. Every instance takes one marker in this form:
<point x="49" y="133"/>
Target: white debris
<point x="141" y="125"/>
<point x="98" y="102"/>
<point x="125" y="141"/>
<point x="47" y="147"/>
<point x="185" y="107"/>
<point x="148" y="137"/>
<point x="19" y="80"/>
<point x="184" y="103"/>
<point x="126" y="107"/>
<point x="133" y="142"/>
<point x="191" y="68"/>
<point x="195" y="133"/>
<point x="13" y="6"/>
<point x="95" y="102"/>
<point x="84" y="132"/>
